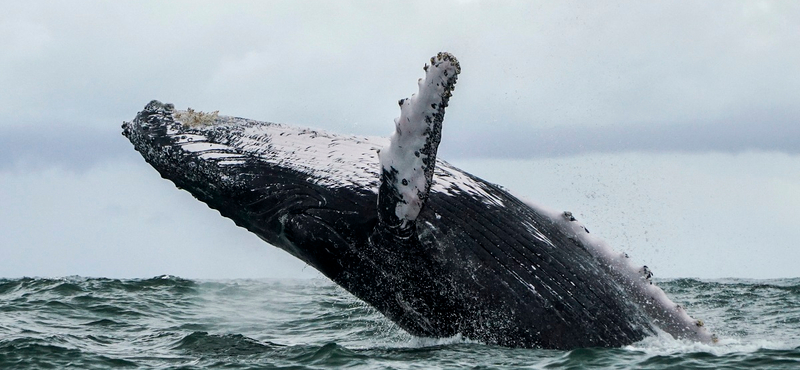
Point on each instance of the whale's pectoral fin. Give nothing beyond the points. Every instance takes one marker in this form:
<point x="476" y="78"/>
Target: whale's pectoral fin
<point x="407" y="163"/>
<point x="418" y="294"/>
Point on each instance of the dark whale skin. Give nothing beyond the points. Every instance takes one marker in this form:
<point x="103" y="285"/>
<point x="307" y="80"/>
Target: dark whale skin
<point x="478" y="261"/>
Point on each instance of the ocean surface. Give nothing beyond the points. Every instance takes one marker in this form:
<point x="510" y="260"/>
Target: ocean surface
<point x="173" y="323"/>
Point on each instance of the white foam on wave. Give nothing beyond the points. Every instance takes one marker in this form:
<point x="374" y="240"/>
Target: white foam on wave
<point x="664" y="344"/>
<point x="422" y="342"/>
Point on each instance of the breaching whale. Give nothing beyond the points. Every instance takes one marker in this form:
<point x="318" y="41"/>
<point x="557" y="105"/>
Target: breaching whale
<point x="436" y="250"/>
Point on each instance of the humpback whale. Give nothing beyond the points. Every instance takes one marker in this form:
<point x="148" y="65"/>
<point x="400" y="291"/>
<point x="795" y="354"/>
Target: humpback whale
<point x="436" y="250"/>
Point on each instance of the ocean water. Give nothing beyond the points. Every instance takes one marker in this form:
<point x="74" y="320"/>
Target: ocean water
<point x="173" y="323"/>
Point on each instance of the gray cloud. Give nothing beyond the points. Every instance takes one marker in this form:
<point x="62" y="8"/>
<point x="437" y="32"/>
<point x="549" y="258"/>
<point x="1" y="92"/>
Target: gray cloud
<point x="768" y="132"/>
<point x="551" y="80"/>
<point x="36" y="146"/>
<point x="592" y="77"/>
<point x="77" y="149"/>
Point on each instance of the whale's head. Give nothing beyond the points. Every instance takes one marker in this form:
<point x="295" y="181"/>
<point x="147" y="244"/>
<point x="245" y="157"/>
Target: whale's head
<point x="306" y="191"/>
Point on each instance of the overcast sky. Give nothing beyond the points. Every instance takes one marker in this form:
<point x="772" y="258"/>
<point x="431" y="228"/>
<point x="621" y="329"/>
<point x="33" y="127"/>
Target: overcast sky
<point x="671" y="128"/>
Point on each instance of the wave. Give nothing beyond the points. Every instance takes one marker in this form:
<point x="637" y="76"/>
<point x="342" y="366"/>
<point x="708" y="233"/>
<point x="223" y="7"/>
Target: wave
<point x="170" y="322"/>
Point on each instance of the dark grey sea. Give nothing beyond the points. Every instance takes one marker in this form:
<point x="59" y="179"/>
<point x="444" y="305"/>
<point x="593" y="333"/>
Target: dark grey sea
<point x="173" y="323"/>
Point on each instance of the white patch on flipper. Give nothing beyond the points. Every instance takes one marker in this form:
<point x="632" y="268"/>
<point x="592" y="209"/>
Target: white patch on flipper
<point x="405" y="154"/>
